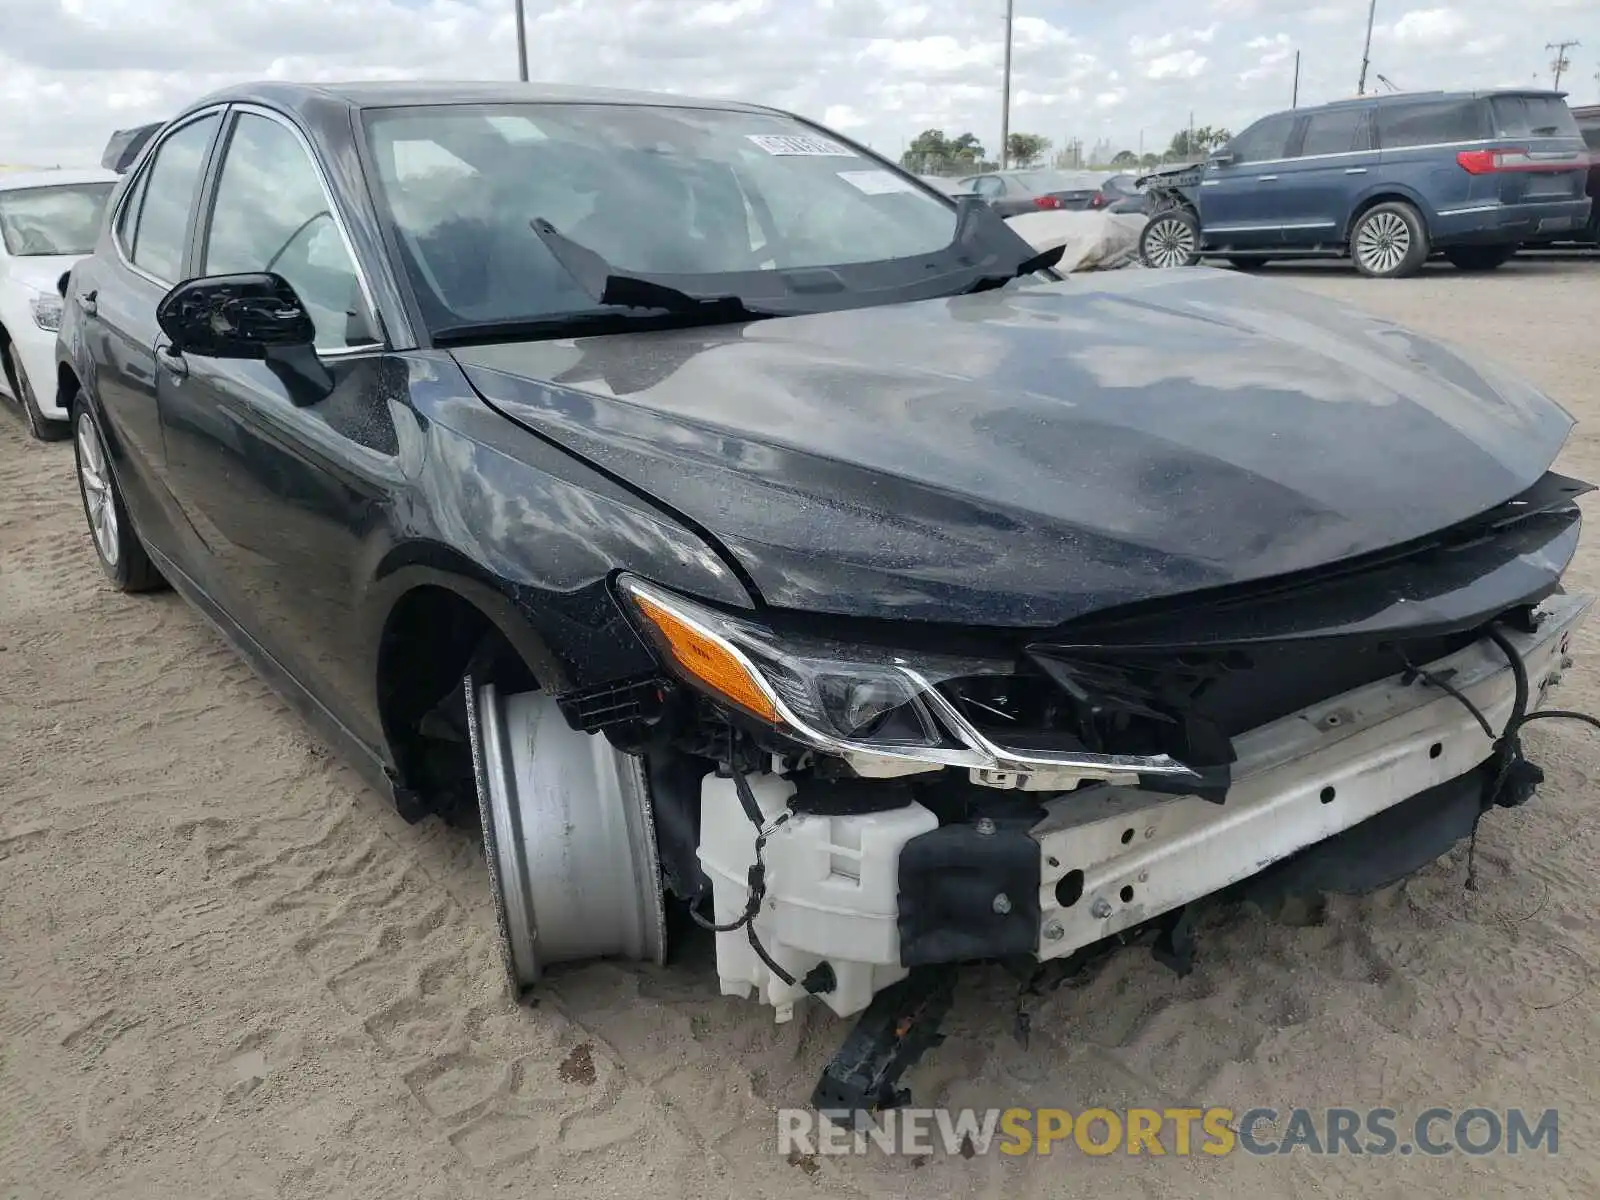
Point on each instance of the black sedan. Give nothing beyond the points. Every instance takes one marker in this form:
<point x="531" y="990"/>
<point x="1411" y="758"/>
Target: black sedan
<point x="750" y="532"/>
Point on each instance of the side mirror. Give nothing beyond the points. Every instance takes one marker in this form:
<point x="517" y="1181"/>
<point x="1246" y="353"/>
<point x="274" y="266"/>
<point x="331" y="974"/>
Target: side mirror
<point x="1220" y="158"/>
<point x="248" y="316"/>
<point x="235" y="316"/>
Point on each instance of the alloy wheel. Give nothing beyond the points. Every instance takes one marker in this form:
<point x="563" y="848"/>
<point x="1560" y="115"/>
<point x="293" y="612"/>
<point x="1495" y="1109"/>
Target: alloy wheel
<point x="98" y="497"/>
<point x="1383" y="242"/>
<point x="1170" y="242"/>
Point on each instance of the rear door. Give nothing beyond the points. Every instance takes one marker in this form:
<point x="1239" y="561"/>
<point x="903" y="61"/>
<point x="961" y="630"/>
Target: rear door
<point x="1241" y="204"/>
<point x="1419" y="141"/>
<point x="1333" y="158"/>
<point x="117" y="293"/>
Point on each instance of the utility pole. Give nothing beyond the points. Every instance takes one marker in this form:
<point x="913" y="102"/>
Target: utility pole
<point x="1005" y="96"/>
<point x="522" y="42"/>
<point x="1295" y="102"/>
<point x="1366" y="50"/>
<point x="1562" y="62"/>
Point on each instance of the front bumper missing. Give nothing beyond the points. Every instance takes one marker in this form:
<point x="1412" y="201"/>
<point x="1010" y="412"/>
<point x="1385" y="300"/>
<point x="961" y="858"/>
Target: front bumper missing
<point x="1121" y="859"/>
<point x="874" y="895"/>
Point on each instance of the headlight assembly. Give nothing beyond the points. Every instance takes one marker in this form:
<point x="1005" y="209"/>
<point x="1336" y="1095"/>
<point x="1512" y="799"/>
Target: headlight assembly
<point x="46" y="311"/>
<point x="879" y="710"/>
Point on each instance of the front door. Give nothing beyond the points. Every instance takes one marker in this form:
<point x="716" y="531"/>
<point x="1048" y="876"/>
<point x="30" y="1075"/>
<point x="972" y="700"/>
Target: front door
<point x="1240" y="201"/>
<point x="282" y="484"/>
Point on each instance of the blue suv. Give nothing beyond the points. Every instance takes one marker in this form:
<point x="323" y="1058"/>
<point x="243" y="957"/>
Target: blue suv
<point x="1387" y="180"/>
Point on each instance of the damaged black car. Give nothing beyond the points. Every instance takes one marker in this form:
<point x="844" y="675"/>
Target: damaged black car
<point x="753" y="537"/>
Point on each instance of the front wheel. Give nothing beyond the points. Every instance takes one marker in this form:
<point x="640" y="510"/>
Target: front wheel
<point x="1389" y="241"/>
<point x="569" y="834"/>
<point x="116" y="545"/>
<point x="1478" y="258"/>
<point x="1170" y="239"/>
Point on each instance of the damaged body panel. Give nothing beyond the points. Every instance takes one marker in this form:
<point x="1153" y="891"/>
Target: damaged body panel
<point x="857" y="590"/>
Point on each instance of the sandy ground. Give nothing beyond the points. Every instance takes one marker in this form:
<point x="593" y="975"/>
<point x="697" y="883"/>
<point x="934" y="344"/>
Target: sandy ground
<point x="227" y="970"/>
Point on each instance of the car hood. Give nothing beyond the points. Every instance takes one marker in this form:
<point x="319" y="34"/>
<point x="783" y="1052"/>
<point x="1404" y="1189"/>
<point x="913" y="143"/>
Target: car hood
<point x="1024" y="456"/>
<point x="41" y="272"/>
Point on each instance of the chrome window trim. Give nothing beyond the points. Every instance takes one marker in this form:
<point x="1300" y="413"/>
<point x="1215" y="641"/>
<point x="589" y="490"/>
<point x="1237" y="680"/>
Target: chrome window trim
<point x="382" y="341"/>
<point x="146" y="165"/>
<point x="1383" y="149"/>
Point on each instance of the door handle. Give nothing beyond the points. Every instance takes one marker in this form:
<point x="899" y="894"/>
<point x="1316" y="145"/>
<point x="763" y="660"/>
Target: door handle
<point x="173" y="360"/>
<point x="1265" y="178"/>
<point x="86" y="300"/>
<point x="1355" y="170"/>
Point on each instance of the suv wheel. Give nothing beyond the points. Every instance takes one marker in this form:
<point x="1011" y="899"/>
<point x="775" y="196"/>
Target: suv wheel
<point x="1389" y="241"/>
<point x="1478" y="258"/>
<point x="1170" y="239"/>
<point x="116" y="545"/>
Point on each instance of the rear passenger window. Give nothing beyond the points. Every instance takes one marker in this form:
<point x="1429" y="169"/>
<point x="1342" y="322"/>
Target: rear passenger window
<point x="169" y="192"/>
<point x="1533" y="116"/>
<point x="1265" y="140"/>
<point x="1336" y="131"/>
<point x="1432" y="123"/>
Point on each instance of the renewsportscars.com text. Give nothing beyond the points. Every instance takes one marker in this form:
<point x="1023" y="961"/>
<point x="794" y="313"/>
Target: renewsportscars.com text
<point x="1176" y="1131"/>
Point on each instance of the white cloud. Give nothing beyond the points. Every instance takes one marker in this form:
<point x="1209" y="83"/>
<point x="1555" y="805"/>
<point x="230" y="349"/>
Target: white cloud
<point x="72" y="70"/>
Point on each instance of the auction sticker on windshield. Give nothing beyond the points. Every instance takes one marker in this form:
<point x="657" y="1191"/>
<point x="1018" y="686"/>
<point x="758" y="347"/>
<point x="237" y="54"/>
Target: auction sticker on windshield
<point x="799" y="143"/>
<point x="876" y="183"/>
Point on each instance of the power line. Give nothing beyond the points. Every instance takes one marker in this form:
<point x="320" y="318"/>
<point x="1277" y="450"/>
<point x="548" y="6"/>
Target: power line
<point x="1562" y="62"/>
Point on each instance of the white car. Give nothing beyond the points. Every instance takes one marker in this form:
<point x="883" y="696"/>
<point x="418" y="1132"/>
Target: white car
<point x="48" y="221"/>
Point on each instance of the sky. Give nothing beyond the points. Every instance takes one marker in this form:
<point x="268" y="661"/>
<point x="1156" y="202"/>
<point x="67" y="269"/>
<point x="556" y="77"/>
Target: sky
<point x="1122" y="71"/>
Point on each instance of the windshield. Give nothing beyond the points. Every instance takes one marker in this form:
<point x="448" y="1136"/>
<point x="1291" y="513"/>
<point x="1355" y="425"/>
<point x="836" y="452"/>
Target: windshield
<point x="58" y="219"/>
<point x="652" y="189"/>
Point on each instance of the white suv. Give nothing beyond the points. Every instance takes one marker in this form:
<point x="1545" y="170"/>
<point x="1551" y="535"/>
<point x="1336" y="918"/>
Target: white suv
<point x="48" y="221"/>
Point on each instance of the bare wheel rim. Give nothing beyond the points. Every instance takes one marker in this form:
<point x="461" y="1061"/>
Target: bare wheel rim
<point x="97" y="495"/>
<point x="569" y="836"/>
<point x="1169" y="242"/>
<point x="1383" y="242"/>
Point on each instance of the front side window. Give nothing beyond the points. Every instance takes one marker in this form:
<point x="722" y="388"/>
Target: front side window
<point x="1432" y="123"/>
<point x="1334" y="131"/>
<point x="167" y="198"/>
<point x="989" y="186"/>
<point x="271" y="213"/>
<point x="663" y="190"/>
<point x="60" y="219"/>
<point x="1266" y="140"/>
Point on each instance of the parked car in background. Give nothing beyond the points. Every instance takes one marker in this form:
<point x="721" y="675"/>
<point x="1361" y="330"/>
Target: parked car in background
<point x="1119" y="193"/>
<point x="809" y="557"/>
<point x="1012" y="192"/>
<point x="1588" y="119"/>
<point x="48" y="220"/>
<point x="947" y="185"/>
<point x="1386" y="180"/>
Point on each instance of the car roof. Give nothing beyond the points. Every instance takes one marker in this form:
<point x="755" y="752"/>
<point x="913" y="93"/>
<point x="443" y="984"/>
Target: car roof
<point x="1385" y="99"/>
<point x="54" y="177"/>
<point x="300" y="97"/>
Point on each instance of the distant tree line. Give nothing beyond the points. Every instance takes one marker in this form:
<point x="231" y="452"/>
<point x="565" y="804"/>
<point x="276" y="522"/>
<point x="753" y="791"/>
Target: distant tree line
<point x="931" y="152"/>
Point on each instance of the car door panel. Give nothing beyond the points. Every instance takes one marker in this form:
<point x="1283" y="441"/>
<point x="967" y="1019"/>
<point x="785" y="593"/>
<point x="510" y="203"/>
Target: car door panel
<point x="1240" y="200"/>
<point x="118" y="297"/>
<point x="1334" y="155"/>
<point x="284" y="494"/>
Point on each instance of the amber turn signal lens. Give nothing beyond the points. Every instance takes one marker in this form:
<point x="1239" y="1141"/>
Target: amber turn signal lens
<point x="708" y="660"/>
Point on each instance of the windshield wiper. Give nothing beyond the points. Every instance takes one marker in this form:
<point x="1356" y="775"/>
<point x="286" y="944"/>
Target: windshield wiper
<point x="609" y="286"/>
